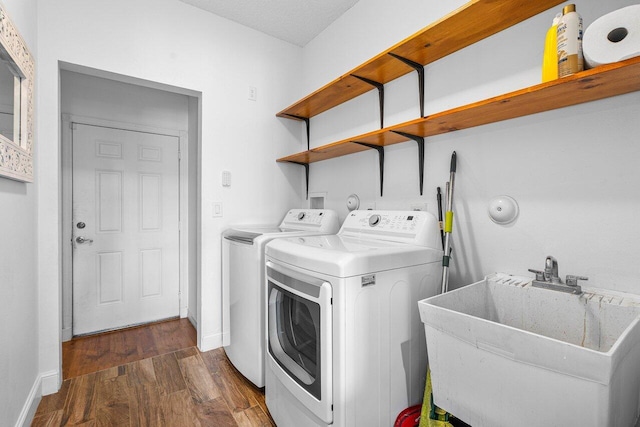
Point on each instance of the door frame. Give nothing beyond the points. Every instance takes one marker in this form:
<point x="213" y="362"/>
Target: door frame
<point x="68" y="120"/>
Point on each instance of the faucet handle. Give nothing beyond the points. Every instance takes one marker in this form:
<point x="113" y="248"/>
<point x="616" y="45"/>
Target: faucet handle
<point x="539" y="275"/>
<point x="573" y="280"/>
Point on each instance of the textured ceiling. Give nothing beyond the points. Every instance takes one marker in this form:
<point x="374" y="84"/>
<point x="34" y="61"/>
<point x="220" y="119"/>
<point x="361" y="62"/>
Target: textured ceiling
<point x="295" y="21"/>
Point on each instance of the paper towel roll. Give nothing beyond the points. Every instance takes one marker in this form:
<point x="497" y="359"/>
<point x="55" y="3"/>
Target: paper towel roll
<point x="613" y="37"/>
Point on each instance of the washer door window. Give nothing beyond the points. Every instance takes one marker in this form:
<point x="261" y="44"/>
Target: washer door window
<point x="299" y="336"/>
<point x="296" y="341"/>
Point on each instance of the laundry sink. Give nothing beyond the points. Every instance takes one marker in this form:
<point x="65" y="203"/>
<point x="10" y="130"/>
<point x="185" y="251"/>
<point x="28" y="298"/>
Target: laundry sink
<point x="503" y="353"/>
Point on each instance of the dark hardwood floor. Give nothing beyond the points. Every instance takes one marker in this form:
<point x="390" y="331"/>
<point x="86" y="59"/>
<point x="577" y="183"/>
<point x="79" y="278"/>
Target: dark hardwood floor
<point x="150" y="376"/>
<point x="94" y="353"/>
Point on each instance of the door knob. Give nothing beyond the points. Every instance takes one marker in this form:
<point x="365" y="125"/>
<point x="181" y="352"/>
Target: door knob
<point x="81" y="240"/>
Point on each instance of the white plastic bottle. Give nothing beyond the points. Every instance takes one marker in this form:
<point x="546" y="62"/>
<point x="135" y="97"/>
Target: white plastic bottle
<point x="569" y="33"/>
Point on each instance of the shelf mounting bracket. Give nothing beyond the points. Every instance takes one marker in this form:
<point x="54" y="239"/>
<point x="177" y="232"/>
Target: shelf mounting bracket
<point x="380" y="150"/>
<point x="306" y="173"/>
<point x="307" y="122"/>
<point x="420" y="70"/>
<point x="420" y="141"/>
<point x="380" y="88"/>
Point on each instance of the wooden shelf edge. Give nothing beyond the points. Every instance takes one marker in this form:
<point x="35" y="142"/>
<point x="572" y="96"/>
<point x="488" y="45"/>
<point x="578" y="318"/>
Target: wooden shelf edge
<point x="598" y="83"/>
<point x="590" y="85"/>
<point x="441" y="38"/>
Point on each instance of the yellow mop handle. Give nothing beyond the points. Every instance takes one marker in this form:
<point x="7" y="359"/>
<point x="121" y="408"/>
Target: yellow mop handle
<point x="448" y="222"/>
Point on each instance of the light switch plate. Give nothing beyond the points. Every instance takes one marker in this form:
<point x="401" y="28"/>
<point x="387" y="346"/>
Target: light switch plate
<point x="217" y="209"/>
<point x="226" y="179"/>
<point x="252" y="94"/>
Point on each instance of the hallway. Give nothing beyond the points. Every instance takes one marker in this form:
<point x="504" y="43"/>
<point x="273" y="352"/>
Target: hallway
<point x="150" y="376"/>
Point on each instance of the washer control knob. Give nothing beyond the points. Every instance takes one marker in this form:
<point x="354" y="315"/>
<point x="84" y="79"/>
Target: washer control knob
<point x="301" y="216"/>
<point x="374" y="220"/>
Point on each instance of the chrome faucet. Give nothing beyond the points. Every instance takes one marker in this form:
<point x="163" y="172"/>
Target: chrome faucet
<point x="551" y="270"/>
<point x="549" y="278"/>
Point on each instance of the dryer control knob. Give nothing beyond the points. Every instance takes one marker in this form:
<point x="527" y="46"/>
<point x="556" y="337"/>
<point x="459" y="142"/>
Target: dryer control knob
<point x="374" y="220"/>
<point x="301" y="216"/>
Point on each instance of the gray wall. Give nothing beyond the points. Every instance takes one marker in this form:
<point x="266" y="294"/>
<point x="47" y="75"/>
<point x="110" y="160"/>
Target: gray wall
<point x="18" y="259"/>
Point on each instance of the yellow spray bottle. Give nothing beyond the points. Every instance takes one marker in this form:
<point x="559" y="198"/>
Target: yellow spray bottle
<point x="550" y="56"/>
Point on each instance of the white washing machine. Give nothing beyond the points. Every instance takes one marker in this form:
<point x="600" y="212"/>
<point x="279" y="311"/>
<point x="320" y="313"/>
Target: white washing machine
<point x="243" y="283"/>
<point x="346" y="346"/>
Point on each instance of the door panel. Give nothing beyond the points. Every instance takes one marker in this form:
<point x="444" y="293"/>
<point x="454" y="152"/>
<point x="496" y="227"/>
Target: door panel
<point x="109" y="201"/>
<point x="151" y="272"/>
<point x="126" y="192"/>
<point x="150" y="202"/>
<point x="109" y="277"/>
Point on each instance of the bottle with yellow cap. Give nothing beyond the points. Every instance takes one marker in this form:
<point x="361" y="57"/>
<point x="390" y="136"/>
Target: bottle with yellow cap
<point x="569" y="35"/>
<point x="550" y="56"/>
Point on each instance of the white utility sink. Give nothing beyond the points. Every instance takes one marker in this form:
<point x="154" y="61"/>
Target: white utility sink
<point x="503" y="353"/>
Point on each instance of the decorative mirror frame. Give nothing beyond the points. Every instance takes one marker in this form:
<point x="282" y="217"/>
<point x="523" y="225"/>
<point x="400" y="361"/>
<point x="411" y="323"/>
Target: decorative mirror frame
<point x="16" y="157"/>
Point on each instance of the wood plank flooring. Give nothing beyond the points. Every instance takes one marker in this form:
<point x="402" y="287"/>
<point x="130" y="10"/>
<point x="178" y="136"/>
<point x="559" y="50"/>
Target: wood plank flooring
<point x="97" y="352"/>
<point x="150" y="376"/>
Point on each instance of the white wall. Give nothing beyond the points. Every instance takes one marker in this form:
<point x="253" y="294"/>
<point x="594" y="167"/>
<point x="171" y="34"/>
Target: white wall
<point x="19" y="371"/>
<point x="91" y="96"/>
<point x="172" y="43"/>
<point x="573" y="171"/>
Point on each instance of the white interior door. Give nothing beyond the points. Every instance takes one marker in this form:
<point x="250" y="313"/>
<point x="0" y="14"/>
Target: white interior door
<point x="125" y="228"/>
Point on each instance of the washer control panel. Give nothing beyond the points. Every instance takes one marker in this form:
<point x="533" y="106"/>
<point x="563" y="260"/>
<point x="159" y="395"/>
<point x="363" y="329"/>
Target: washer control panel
<point x="324" y="220"/>
<point x="394" y="222"/>
<point x="416" y="227"/>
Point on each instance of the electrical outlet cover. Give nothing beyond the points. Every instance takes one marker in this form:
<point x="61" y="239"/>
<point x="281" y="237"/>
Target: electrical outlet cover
<point x="419" y="207"/>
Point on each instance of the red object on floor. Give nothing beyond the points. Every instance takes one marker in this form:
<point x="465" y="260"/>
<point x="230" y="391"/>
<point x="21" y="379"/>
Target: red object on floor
<point x="410" y="417"/>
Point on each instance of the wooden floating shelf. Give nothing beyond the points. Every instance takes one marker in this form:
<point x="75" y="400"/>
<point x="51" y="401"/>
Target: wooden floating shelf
<point x="598" y="83"/>
<point x="476" y="20"/>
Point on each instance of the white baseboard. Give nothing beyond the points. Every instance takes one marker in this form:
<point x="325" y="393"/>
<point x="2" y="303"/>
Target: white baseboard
<point x="31" y="404"/>
<point x="46" y="383"/>
<point x="193" y="319"/>
<point x="210" y="342"/>
<point x="50" y="382"/>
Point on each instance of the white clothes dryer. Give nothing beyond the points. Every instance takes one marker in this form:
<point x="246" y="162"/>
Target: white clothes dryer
<point x="243" y="283"/>
<point x="345" y="344"/>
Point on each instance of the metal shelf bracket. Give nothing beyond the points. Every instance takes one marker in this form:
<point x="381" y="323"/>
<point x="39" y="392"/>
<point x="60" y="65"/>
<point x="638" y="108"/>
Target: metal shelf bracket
<point x="380" y="88"/>
<point x="420" y="70"/>
<point x="307" y="122"/>
<point x="380" y="150"/>
<point x="420" y="141"/>
<point x="306" y="173"/>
